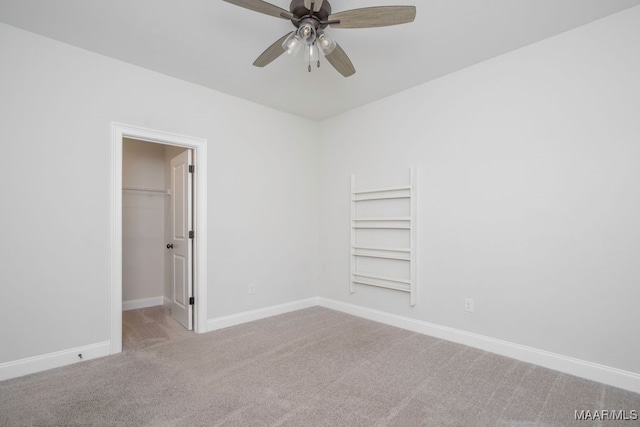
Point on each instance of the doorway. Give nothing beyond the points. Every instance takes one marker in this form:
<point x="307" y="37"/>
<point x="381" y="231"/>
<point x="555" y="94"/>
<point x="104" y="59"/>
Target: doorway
<point x="194" y="310"/>
<point x="157" y="218"/>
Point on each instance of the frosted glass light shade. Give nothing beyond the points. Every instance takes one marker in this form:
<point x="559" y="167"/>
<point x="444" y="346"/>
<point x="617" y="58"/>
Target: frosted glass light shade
<point x="312" y="55"/>
<point x="326" y="44"/>
<point x="292" y="44"/>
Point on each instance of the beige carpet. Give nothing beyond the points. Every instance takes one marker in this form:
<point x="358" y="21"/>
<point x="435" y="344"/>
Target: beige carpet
<point x="313" y="367"/>
<point x="148" y="327"/>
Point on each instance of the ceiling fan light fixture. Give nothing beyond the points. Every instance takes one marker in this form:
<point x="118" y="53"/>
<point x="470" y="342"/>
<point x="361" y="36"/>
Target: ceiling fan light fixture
<point x="307" y="33"/>
<point x="326" y="44"/>
<point x="292" y="44"/>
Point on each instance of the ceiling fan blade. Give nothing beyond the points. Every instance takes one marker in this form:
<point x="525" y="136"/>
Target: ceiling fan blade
<point x="377" y="16"/>
<point x="341" y="62"/>
<point x="262" y="7"/>
<point x="272" y="52"/>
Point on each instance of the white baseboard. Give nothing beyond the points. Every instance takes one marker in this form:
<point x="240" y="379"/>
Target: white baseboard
<point x="558" y="362"/>
<point x="261" y="313"/>
<point x="57" y="359"/>
<point x="570" y="365"/>
<point x="166" y="300"/>
<point x="134" y="304"/>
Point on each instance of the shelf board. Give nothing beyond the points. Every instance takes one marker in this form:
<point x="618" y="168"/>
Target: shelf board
<point x="387" y="286"/>
<point x="376" y="277"/>
<point x="383" y="190"/>
<point x="370" y="248"/>
<point x="364" y="199"/>
<point x="381" y="227"/>
<point x="147" y="190"/>
<point x="388" y="218"/>
<point x="381" y="256"/>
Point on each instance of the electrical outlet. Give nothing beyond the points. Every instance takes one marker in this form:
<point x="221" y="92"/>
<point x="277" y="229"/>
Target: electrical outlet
<point x="252" y="289"/>
<point x="468" y="305"/>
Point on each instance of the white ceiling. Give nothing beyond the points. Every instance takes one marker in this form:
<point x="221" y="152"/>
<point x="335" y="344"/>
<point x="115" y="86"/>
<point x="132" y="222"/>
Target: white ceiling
<point x="213" y="43"/>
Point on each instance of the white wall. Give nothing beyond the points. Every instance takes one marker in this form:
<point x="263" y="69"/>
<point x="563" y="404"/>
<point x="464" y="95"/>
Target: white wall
<point x="57" y="104"/>
<point x="143" y="220"/>
<point x="529" y="194"/>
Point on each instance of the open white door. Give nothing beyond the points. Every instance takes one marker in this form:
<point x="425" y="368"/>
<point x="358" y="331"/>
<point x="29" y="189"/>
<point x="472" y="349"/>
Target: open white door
<point x="181" y="244"/>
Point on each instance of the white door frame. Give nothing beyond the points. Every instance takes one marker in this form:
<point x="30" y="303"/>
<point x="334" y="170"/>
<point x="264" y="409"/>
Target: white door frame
<point x="199" y="147"/>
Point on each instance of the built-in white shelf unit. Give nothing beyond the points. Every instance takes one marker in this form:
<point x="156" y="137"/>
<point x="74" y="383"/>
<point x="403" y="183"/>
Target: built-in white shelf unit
<point x="383" y="237"/>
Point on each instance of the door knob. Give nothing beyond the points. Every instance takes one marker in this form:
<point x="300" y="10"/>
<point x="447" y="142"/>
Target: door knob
<point x="170" y="246"/>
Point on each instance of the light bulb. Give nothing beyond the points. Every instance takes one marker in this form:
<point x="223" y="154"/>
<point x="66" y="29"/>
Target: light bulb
<point x="326" y="44"/>
<point x="307" y="33"/>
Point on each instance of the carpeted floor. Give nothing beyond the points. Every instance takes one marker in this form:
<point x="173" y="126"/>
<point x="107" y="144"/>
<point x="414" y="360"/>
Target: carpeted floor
<point x="313" y="367"/>
<point x="149" y="327"/>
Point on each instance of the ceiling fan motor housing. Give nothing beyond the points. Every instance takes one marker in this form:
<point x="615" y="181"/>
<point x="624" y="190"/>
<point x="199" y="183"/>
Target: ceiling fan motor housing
<point x="319" y="18"/>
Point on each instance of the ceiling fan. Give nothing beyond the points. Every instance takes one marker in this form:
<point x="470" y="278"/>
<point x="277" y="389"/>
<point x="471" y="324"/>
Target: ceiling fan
<point x="311" y="17"/>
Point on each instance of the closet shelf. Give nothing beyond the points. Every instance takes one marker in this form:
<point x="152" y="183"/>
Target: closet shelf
<point x="147" y="190"/>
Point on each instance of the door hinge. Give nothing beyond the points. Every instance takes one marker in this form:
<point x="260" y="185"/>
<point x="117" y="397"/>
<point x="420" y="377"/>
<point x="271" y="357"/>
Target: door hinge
<point x="191" y="234"/>
<point x="191" y="300"/>
<point x="192" y="168"/>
